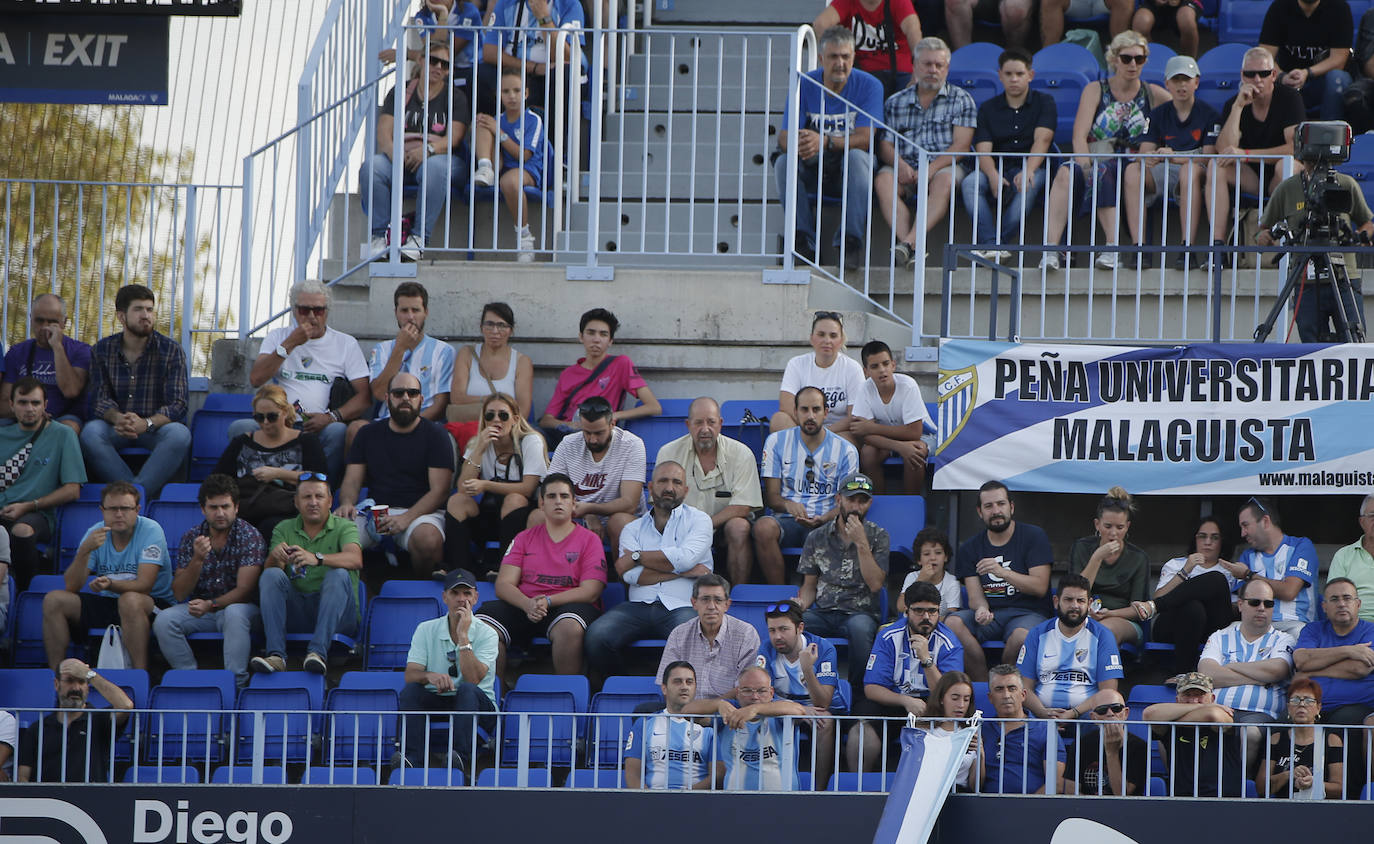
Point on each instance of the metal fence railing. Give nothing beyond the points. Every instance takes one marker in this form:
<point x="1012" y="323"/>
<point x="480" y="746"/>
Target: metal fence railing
<point x="590" y="750"/>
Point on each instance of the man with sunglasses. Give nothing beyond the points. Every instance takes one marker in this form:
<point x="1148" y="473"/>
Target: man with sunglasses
<point x="60" y="362"/>
<point x="1107" y="759"/>
<point x="1356" y="560"/>
<point x="1287" y="563"/>
<point x="138" y="397"/>
<point x="127" y="554"/>
<point x="802" y="470"/>
<point x="451" y="667"/>
<point x="406" y="462"/>
<point x="606" y="464"/>
<point x="305" y="359"/>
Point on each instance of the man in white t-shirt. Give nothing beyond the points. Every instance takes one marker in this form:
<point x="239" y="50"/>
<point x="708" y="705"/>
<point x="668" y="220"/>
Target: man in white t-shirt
<point x="607" y="466"/>
<point x="889" y="416"/>
<point x="304" y="359"/>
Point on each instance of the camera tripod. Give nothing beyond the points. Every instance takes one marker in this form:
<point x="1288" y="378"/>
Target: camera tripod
<point x="1350" y="327"/>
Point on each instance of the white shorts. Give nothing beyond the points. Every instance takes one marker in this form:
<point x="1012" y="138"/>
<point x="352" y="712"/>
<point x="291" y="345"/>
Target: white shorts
<point x="367" y="528"/>
<point x="1166" y="176"/>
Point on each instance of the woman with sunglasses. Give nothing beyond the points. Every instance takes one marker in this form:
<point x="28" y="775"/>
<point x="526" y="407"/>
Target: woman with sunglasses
<point x="491" y="366"/>
<point x="826" y="367"/>
<point x="1112" y="117"/>
<point x="1296" y="755"/>
<point x="502" y="466"/>
<point x="1193" y="597"/>
<point x="268" y="461"/>
<point x="1116" y="570"/>
<point x="950" y="706"/>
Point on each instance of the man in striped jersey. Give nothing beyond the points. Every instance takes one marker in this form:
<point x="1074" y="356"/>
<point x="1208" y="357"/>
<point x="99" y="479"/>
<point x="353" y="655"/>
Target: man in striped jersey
<point x="1249" y="663"/>
<point x="802" y="470"/>
<point x="1071" y="659"/>
<point x="669" y="749"/>
<point x="803" y="667"/>
<point x="1287" y="563"/>
<point x="755" y="741"/>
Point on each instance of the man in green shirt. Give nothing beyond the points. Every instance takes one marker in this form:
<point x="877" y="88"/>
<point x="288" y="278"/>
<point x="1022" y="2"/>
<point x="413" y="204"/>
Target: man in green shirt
<point x="1355" y="561"/>
<point x="51" y="476"/>
<point x="451" y="667"/>
<point x="310" y="580"/>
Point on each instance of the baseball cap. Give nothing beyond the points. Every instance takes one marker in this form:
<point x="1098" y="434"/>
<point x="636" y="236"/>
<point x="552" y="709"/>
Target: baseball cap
<point x="856" y="484"/>
<point x="1195" y="680"/>
<point x="1181" y="66"/>
<point x="459" y="577"/>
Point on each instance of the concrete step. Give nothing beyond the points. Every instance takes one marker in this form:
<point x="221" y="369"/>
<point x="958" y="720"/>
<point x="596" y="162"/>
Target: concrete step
<point x="683" y="96"/>
<point x="774" y="12"/>
<point x="752" y="183"/>
<point x="761" y="64"/>
<point x="678" y="128"/>
<point x="723" y="229"/>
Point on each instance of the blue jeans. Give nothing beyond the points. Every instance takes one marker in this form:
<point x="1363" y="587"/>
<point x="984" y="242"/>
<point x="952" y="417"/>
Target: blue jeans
<point x="170" y="446"/>
<point x="1325" y="94"/>
<point x="439" y="175"/>
<point x="858" y="191"/>
<point x="977" y="194"/>
<point x="331" y="440"/>
<point x="333" y="609"/>
<point x="860" y="629"/>
<point x="235" y="623"/>
<point x="624" y="623"/>
<point x="468" y="697"/>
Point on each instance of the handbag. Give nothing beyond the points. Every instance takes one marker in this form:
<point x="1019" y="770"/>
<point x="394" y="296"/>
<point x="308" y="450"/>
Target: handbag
<point x="113" y="655"/>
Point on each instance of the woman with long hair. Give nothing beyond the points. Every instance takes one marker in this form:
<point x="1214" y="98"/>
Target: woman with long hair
<point x="951" y="704"/>
<point x="826" y="366"/>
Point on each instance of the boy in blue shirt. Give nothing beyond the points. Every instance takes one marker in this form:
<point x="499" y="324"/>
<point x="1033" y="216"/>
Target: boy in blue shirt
<point x="127" y="553"/>
<point x="521" y="134"/>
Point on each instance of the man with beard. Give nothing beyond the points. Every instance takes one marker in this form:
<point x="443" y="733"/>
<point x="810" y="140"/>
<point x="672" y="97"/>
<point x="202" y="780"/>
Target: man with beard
<point x="310" y="579"/>
<point x="1287" y="563"/>
<point x="127" y="555"/>
<point x="1006" y="570"/>
<point x="77" y="741"/>
<point x="803" y="667"/>
<point x="662" y="553"/>
<point x="550" y="581"/>
<point x="722" y="482"/>
<point x="843" y="565"/>
<point x="670" y="749"/>
<point x="802" y="470"/>
<point x="216" y="575"/>
<point x="138" y="398"/>
<point x="606" y="464"/>
<point x="406" y="462"/>
<point x="1071" y="660"/>
<point x="1107" y="759"/>
<point x="49" y="477"/>
<point x="908" y="658"/>
<point x="932" y="115"/>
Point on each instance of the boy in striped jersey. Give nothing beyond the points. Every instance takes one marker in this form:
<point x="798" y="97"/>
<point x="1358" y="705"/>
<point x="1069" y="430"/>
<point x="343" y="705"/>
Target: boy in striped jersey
<point x="1069" y="660"/>
<point x="756" y="741"/>
<point x="1287" y="563"/>
<point x="669" y="749"/>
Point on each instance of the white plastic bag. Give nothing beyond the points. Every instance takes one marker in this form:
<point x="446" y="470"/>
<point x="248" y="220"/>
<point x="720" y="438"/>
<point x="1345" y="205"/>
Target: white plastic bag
<point x="113" y="654"/>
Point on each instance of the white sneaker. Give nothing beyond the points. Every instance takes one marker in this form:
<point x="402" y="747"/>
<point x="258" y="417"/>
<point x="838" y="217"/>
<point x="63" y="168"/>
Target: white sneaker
<point x="1049" y="261"/>
<point x="526" y="249"/>
<point x="995" y="255"/>
<point x="412" y="249"/>
<point x="484" y="174"/>
<point x="1106" y="260"/>
<point x="376" y="248"/>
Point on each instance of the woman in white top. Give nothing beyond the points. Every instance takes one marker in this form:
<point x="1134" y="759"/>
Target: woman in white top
<point x="951" y="704"/>
<point x="827" y="367"/>
<point x="492" y="366"/>
<point x="503" y="464"/>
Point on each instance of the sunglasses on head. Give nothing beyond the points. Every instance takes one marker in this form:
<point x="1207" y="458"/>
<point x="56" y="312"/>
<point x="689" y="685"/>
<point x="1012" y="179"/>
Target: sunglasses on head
<point x="1267" y="603"/>
<point x="438" y="62"/>
<point x="312" y="476"/>
<point x="784" y="607"/>
<point x="835" y="315"/>
<point x="317" y="310"/>
<point x="405" y="393"/>
<point x="1256" y="74"/>
<point x="266" y="417"/>
<point x="493" y="415"/>
<point x="1255" y="502"/>
<point x="1134" y="58"/>
<point x="1114" y="708"/>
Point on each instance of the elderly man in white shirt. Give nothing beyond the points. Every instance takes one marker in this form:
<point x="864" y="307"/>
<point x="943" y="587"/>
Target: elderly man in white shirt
<point x="662" y="553"/>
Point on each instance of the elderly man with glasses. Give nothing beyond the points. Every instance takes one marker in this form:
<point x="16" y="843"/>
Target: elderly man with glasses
<point x="306" y="360"/>
<point x="1356" y="560"/>
<point x="1287" y="563"/>
<point x="1107" y="759"/>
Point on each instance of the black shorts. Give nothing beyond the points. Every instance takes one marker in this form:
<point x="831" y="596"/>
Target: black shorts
<point x="97" y="611"/>
<point x="513" y="626"/>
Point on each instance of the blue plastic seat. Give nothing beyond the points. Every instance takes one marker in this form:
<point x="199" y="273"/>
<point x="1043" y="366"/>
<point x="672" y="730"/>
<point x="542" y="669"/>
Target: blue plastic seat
<point x="612" y="715"/>
<point x="91" y="492"/>
<point x="1360" y="167"/>
<point x="596" y="778"/>
<point x="355" y="730"/>
<point x="735" y="416"/>
<point x="176" y="517"/>
<point x="322" y="775"/>
<point x="134" y="682"/>
<point x="189" y="718"/>
<point x="973" y="67"/>
<point x="552" y="738"/>
<point x="902" y="516"/>
<point x="287" y="732"/>
<point x="1063" y="71"/>
<point x="1157" y="787"/>
<point x="432" y="777"/>
<point x="869" y="781"/>
<point x="243" y="775"/>
<point x="1220" y="66"/>
<point x="179" y="492"/>
<point x="1154" y="65"/>
<point x="77" y="518"/>
<point x="391" y="626"/>
<point x="412" y="589"/>
<point x="26" y="623"/>
<point x="1240" y="22"/>
<point x="658" y="431"/>
<point x="161" y="773"/>
<point x="210" y="429"/>
<point x="748" y="600"/>
<point x="510" y="778"/>
<point x="23" y="688"/>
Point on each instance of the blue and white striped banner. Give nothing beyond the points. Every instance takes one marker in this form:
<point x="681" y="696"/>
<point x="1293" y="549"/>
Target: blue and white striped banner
<point x="1204" y="419"/>
<point x="924" y="777"/>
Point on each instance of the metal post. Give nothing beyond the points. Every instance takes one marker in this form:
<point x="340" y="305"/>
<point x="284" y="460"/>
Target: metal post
<point x="188" y="268"/>
<point x="789" y="274"/>
<point x="591" y="272"/>
<point x="246" y="250"/>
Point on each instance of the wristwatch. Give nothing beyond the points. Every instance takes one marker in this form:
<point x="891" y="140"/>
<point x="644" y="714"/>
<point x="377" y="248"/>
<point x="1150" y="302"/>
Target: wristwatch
<point x="151" y="425"/>
<point x="319" y="558"/>
<point x="927" y="662"/>
<point x="634" y="556"/>
<point x="466" y="647"/>
<point x="90" y="675"/>
<point x="429" y="145"/>
<point x="283" y="351"/>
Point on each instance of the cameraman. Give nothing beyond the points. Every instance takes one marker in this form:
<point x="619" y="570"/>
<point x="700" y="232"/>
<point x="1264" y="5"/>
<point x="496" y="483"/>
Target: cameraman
<point x="1316" y="303"/>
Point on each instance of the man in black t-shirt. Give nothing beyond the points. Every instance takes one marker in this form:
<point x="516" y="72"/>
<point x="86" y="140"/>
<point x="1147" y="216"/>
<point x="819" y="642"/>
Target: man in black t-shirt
<point x="1257" y="126"/>
<point x="1100" y="750"/>
<point x="76" y="736"/>
<point x="1310" y="39"/>
<point x="1193" y="754"/>
<point x="432" y="129"/>
<point x="1006" y="570"/>
<point x="406" y="462"/>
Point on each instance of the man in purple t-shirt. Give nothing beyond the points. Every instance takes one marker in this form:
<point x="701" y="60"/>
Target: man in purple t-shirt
<point x="52" y="357"/>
